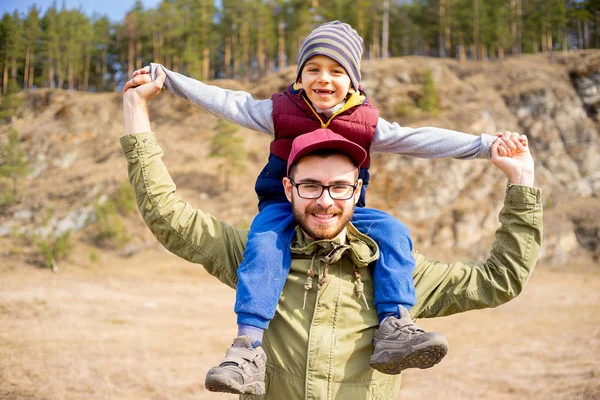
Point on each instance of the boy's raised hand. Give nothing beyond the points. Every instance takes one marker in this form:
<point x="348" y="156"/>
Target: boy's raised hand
<point x="145" y="70"/>
<point x="140" y="78"/>
<point x="510" y="153"/>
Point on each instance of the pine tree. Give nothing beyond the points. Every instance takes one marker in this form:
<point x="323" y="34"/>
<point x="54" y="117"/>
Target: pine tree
<point x="32" y="36"/>
<point x="13" y="165"/>
<point x="229" y="147"/>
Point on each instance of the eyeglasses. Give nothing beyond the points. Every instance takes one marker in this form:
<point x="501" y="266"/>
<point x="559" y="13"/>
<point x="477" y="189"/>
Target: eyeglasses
<point x="339" y="191"/>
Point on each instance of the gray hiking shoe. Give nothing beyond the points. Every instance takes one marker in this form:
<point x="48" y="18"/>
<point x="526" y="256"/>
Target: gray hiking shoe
<point x="241" y="372"/>
<point x="400" y="344"/>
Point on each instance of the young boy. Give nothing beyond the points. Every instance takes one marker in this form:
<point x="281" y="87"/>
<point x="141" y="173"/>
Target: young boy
<point x="327" y="94"/>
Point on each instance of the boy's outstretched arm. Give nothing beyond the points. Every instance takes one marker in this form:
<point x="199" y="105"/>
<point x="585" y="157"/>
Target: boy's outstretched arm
<point x="238" y="107"/>
<point x="429" y="142"/>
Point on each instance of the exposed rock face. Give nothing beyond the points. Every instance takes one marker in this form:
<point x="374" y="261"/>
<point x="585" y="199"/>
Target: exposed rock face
<point x="454" y="204"/>
<point x="72" y="141"/>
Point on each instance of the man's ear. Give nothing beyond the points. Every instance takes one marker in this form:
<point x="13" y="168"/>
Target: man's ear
<point x="288" y="187"/>
<point x="299" y="83"/>
<point x="359" y="184"/>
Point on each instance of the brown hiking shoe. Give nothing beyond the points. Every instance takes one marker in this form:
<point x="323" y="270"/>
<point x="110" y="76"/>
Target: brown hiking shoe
<point x="241" y="372"/>
<point x="400" y="344"/>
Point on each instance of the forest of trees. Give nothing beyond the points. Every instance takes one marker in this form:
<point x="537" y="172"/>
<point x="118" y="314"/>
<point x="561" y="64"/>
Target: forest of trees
<point x="245" y="39"/>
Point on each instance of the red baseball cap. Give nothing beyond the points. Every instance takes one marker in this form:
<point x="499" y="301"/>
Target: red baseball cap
<point x="324" y="139"/>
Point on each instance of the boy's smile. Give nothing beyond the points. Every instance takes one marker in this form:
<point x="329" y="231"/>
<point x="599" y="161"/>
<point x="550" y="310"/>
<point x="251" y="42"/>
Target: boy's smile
<point x="325" y="82"/>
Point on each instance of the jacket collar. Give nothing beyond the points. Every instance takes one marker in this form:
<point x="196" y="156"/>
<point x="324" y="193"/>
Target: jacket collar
<point x="361" y="249"/>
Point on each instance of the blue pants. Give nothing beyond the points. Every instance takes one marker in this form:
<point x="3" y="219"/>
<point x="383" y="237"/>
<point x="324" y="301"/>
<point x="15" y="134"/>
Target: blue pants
<point x="262" y="274"/>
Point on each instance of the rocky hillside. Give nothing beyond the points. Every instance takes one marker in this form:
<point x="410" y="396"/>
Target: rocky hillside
<point x="451" y="206"/>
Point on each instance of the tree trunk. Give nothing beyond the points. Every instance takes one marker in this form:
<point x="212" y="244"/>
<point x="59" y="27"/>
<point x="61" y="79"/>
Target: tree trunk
<point x="51" y="73"/>
<point x="405" y="45"/>
<point x="483" y="52"/>
<point x="86" y="72"/>
<point x="315" y="14"/>
<point x="375" y="49"/>
<point x="71" y="77"/>
<point x="175" y="63"/>
<point x="442" y="26"/>
<point x="260" y="50"/>
<point x="138" y="55"/>
<point x="385" y="28"/>
<point x="475" y="51"/>
<point x="246" y="50"/>
<point x="462" y="55"/>
<point x="448" y="30"/>
<point x="13" y="71"/>
<point x="598" y="28"/>
<point x="281" y="44"/>
<point x="5" y="79"/>
<point x="516" y="27"/>
<point x="543" y="39"/>
<point x="586" y="35"/>
<point x="236" y="57"/>
<point x="26" y="71"/>
<point x="549" y="43"/>
<point x="130" y="57"/>
<point x="155" y="46"/>
<point x="205" y="47"/>
<point x="227" y="58"/>
<point x="104" y="68"/>
<point x="61" y="77"/>
<point x="206" y="63"/>
<point x="31" y="69"/>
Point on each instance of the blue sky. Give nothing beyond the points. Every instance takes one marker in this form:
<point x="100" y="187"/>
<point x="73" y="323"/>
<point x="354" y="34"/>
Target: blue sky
<point x="114" y="9"/>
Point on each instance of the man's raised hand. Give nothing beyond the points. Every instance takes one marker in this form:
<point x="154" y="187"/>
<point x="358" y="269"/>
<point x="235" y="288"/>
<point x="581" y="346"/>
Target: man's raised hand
<point x="143" y="87"/>
<point x="510" y="152"/>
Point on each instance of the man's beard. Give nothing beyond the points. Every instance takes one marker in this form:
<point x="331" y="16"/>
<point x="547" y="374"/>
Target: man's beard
<point x="320" y="231"/>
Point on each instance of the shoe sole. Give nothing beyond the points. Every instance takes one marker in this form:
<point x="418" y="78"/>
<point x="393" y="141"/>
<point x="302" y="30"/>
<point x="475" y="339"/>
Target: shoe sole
<point x="392" y="364"/>
<point x="224" y="384"/>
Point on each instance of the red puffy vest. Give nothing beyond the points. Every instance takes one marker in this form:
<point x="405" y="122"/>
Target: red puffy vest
<point x="292" y="117"/>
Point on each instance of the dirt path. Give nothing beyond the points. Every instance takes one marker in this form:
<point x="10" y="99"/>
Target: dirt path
<point x="150" y="326"/>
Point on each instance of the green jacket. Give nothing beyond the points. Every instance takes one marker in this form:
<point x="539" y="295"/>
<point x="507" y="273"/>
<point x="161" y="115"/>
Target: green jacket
<point x="321" y="350"/>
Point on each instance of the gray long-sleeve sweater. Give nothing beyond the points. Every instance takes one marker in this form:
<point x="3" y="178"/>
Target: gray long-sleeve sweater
<point x="241" y="108"/>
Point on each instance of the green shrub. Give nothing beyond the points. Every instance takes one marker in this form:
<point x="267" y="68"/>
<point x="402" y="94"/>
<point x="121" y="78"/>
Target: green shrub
<point x="430" y="101"/>
<point x="13" y="166"/>
<point x="111" y="230"/>
<point x="54" y="248"/>
<point x="10" y="103"/>
<point x="125" y="198"/>
<point x="94" y="257"/>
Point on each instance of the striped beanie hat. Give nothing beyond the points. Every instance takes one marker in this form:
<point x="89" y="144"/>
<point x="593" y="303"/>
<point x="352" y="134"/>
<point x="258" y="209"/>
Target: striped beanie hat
<point x="336" y="40"/>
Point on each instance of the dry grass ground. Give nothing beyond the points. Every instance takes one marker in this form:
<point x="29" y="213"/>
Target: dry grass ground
<point x="150" y="326"/>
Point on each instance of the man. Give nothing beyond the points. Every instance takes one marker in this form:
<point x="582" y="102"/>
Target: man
<point x="320" y="341"/>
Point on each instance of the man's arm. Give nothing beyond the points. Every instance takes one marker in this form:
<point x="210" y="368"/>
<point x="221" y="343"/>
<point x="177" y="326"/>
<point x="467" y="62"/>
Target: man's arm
<point x="448" y="288"/>
<point x="187" y="232"/>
